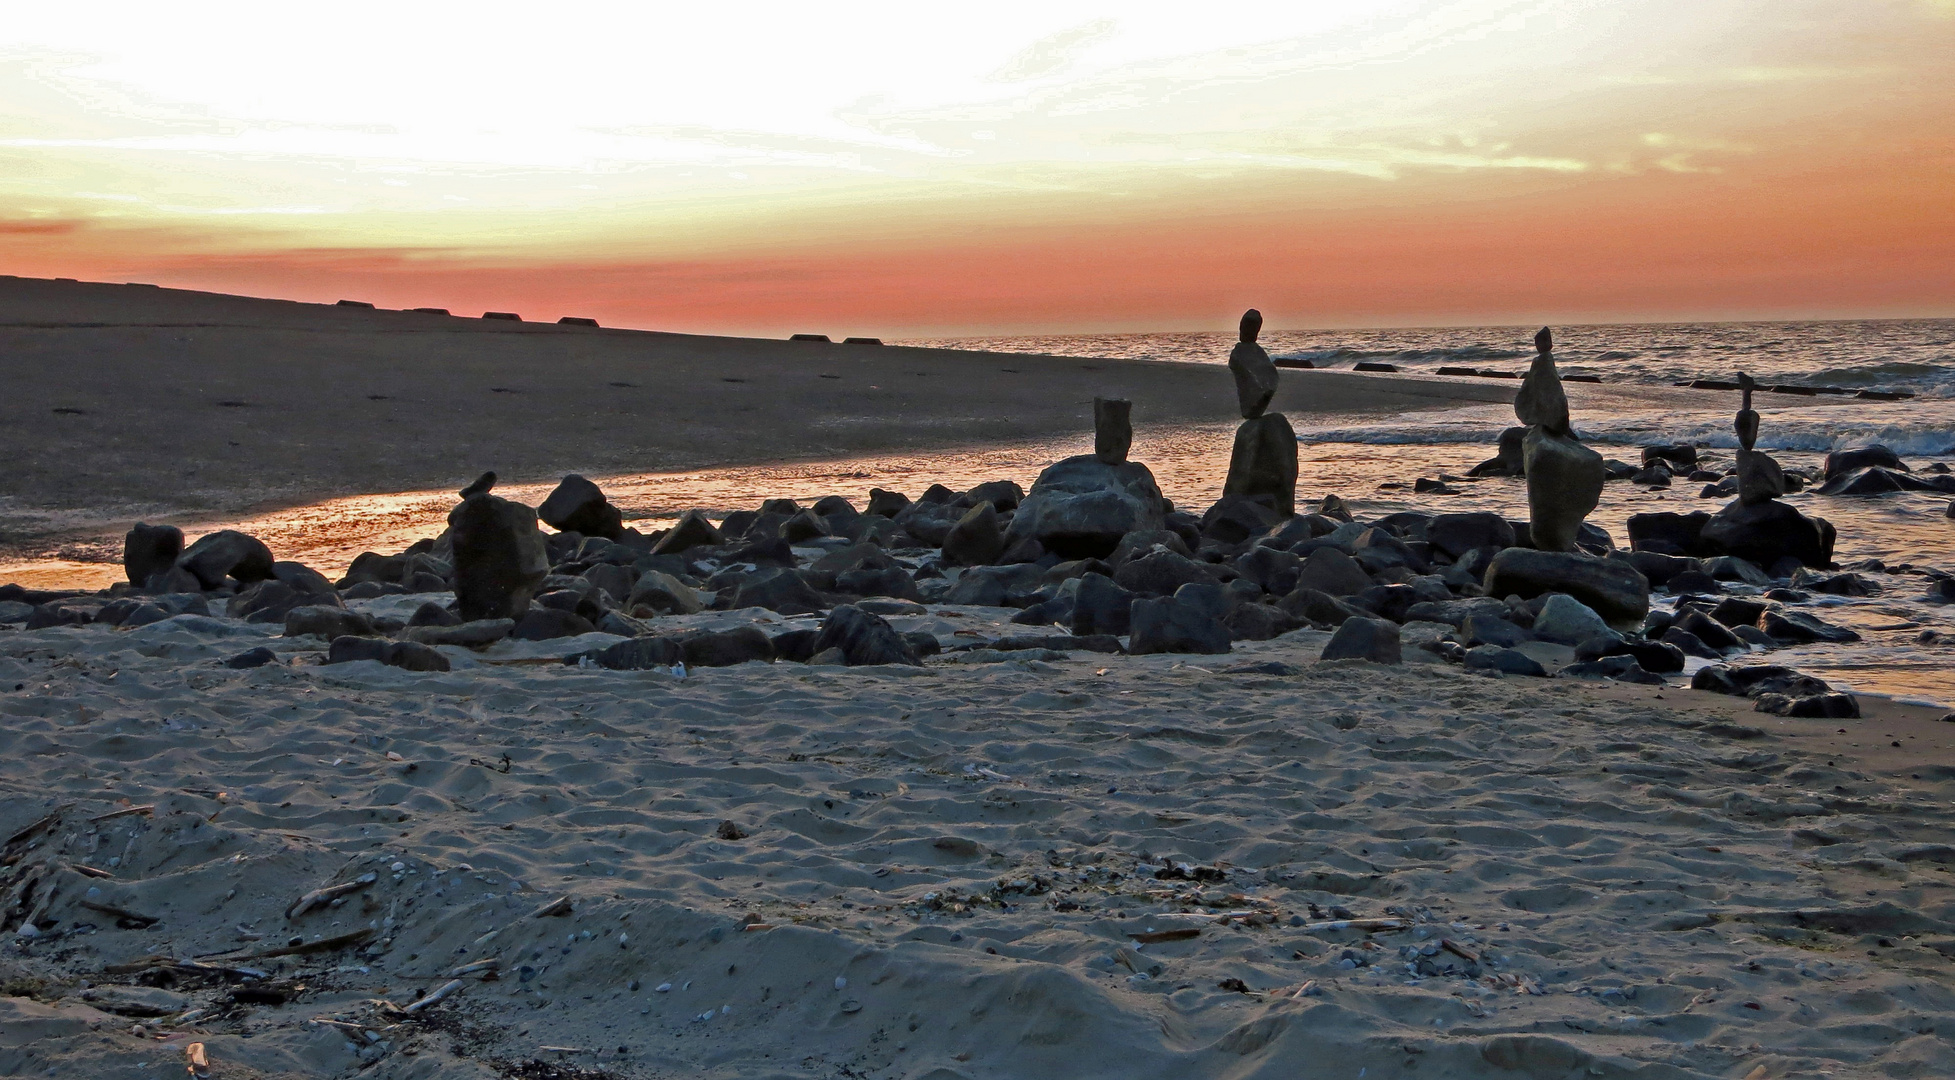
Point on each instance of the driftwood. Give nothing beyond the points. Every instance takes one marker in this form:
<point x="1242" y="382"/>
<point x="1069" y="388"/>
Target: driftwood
<point x="322" y="897"/>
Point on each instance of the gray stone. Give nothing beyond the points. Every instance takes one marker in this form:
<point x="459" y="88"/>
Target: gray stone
<point x="1375" y="640"/>
<point x="252" y="658"/>
<point x="1767" y="532"/>
<point x="1486" y="629"/>
<point x="227" y="553"/>
<point x="779" y="590"/>
<point x="863" y="638"/>
<point x="1613" y="588"/>
<point x="1621" y="668"/>
<point x="664" y="595"/>
<point x="500" y="557"/>
<point x="327" y="622"/>
<point x="1003" y="494"/>
<point x="1568" y="621"/>
<point x="1080" y="507"/>
<point x="887" y="504"/>
<point x="690" y="531"/>
<point x="1263" y="463"/>
<point x="1797" y="627"/>
<point x="1759" y="478"/>
<point x="976" y="539"/>
<point x="1841" y="462"/>
<point x="1564" y="483"/>
<point x="1255" y="374"/>
<point x="407" y="655"/>
<point x="1160" y="573"/>
<point x="1172" y="624"/>
<point x="1509" y="460"/>
<point x="1542" y="403"/>
<point x="1113" y="429"/>
<point x="724" y="648"/>
<point x="1504" y="661"/>
<point x="637" y="654"/>
<point x="1332" y="571"/>
<point x="1457" y="534"/>
<point x="150" y="549"/>
<point x="1101" y="607"/>
<point x="546" y="623"/>
<point x="469" y="635"/>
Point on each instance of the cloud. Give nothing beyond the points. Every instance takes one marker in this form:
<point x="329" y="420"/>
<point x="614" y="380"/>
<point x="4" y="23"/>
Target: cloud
<point x="1053" y="53"/>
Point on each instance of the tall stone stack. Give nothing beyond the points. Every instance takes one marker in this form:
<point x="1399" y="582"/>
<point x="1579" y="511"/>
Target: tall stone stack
<point x="1755" y="525"/>
<point x="1263" y="465"/>
<point x="1564" y="478"/>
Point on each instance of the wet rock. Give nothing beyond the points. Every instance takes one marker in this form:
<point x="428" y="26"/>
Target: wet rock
<point x="1829" y="706"/>
<point x="1669" y="533"/>
<point x="1797" y="627"/>
<point x="724" y="648"/>
<point x="1681" y="455"/>
<point x="1659" y="568"/>
<point x="1504" y="661"/>
<point x="1255" y="374"/>
<point x="327" y="622"/>
<point x="1263" y="463"/>
<point x="1113" y="429"/>
<point x="1653" y="656"/>
<point x="976" y="539"/>
<point x="500" y="557"/>
<point x="227" y="553"/>
<point x="1100" y="606"/>
<point x="863" y="638"/>
<point x="1738" y="611"/>
<point x="1511" y="458"/>
<point x="1376" y="640"/>
<point x="1708" y="630"/>
<point x="1846" y="584"/>
<point x="1175" y="624"/>
<point x="1753" y="680"/>
<point x="1733" y="568"/>
<point x="1690" y="644"/>
<point x="1760" y="479"/>
<point x="1842" y="462"/>
<point x="1767" y="532"/>
<point x="692" y="530"/>
<point x="1611" y="587"/>
<point x="578" y="506"/>
<point x="1080" y="507"/>
<point x="150" y="549"/>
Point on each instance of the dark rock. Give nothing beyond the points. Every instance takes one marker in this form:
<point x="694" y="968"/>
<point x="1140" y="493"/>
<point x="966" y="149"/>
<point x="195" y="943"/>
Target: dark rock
<point x="1690" y="644"/>
<point x="692" y="530"/>
<point x="546" y="623"/>
<point x="1652" y="656"/>
<point x="887" y="504"/>
<point x="433" y="614"/>
<point x="1567" y="621"/>
<point x="976" y="539"/>
<point x="1613" y="588"/>
<point x="1732" y="568"/>
<point x="1375" y="640"/>
<point x="1797" y="627"/>
<point x="150" y="549"/>
<point x="783" y="591"/>
<point x="1321" y="608"/>
<point x="936" y="493"/>
<point x="468" y="635"/>
<point x="1113" y="429"/>
<point x="930" y="522"/>
<point x="327" y="622"/>
<point x="1263" y="463"/>
<point x="1659" y="568"/>
<point x="804" y="526"/>
<point x="835" y="509"/>
<point x="1621" y="668"/>
<point x="1255" y="374"/>
<point x="227" y="553"/>
<point x="1003" y="494"/>
<point x="305" y="579"/>
<point x="1760" y="479"/>
<point x="1175" y="624"/>
<point x="1080" y="507"/>
<point x="1542" y="404"/>
<point x="500" y="557"/>
<point x="1940" y="591"/>
<point x="1737" y="611"/>
<point x="1767" y="532"/>
<point x="1841" y="462"/>
<point x="1669" y="533"/>
<point x="71" y="612"/>
<point x="1101" y="607"/>
<point x="1656" y="476"/>
<point x="864" y="639"/>
<point x="1707" y="629"/>
<point x="481" y="485"/>
<point x="724" y="648"/>
<point x="252" y="658"/>
<point x="1390" y="602"/>
<point x="925" y="643"/>
<point x="1377" y="551"/>
<point x="1754" y="680"/>
<point x="1510" y="460"/>
<point x="371" y="566"/>
<point x="1331" y="571"/>
<point x="407" y="655"/>
<point x="578" y="506"/>
<point x="795" y="646"/>
<point x="1491" y="630"/>
<point x="1160" y="573"/>
<point x="1257" y="622"/>
<point x="1504" y="661"/>
<point x="1846" y="584"/>
<point x="636" y="654"/>
<point x="1827" y="706"/>
<point x="891" y="581"/>
<point x="1456" y="612"/>
<point x="1694" y="581"/>
<point x="1679" y="454"/>
<point x="1275" y="571"/>
<point x="663" y="594"/>
<point x="1457" y="534"/>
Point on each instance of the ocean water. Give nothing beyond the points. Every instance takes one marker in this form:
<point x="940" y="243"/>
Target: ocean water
<point x="1374" y="461"/>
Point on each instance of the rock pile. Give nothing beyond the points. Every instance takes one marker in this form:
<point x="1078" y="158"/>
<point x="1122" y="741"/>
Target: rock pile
<point x="1564" y="478"/>
<point x="1263" y="465"/>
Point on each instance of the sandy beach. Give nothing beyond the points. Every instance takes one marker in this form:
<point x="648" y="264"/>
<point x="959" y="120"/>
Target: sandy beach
<point x="1113" y="867"/>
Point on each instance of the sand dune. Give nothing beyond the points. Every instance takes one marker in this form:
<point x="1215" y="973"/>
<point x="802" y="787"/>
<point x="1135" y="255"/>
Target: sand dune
<point x="948" y="867"/>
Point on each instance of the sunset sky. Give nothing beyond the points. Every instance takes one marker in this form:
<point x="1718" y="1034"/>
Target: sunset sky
<point x="905" y="168"/>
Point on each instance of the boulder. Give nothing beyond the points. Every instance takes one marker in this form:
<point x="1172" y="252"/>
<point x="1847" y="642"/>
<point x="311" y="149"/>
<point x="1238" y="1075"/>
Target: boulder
<point x="1456" y="612"/>
<point x="1611" y="587"/>
<point x="976" y="539"/>
<point x="863" y="638"/>
<point x="545" y="623"/>
<point x="150" y="549"/>
<point x="433" y="614"/>
<point x="1509" y="460"/>
<point x="779" y="590"/>
<point x="883" y="503"/>
<point x="1263" y="463"/>
<point x="1160" y="572"/>
<point x="1682" y="455"/>
<point x="1879" y="481"/>
<point x="227" y="553"/>
<point x="1766" y="532"/>
<point x="1503" y="661"/>
<point x="1080" y="507"/>
<point x="251" y="658"/>
<point x="724" y="648"/>
<point x="1753" y="680"/>
<point x="1003" y="494"/>
<point x="407" y="655"/>
<point x="1841" y="462"/>
<point x="690" y="531"/>
<point x="1233" y="519"/>
<point x="1332" y="571"/>
<point x="1273" y="570"/>
<point x="1113" y="429"/>
<point x="1660" y="568"/>
<point x="1375" y="640"/>
<point x="327" y="622"/>
<point x="1255" y="378"/>
<point x="1759" y="477"/>
<point x="1321" y="609"/>
<point x="1669" y="533"/>
<point x="1564" y="482"/>
<point x="803" y="526"/>
<point x="1567" y="621"/>
<point x="1827" y="706"/>
<point x="663" y="594"/>
<point x="500" y="557"/>
<point x="1797" y="627"/>
<point x="1488" y="629"/>
<point x="1457" y="534"/>
<point x="1101" y="607"/>
<point x="578" y="506"/>
<point x="1542" y="403"/>
<point x="1175" y="624"/>
<point x="1651" y="656"/>
<point x="635" y="654"/>
<point x="1620" y="667"/>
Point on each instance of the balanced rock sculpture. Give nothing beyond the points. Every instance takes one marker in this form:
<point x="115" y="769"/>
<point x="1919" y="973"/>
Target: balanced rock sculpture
<point x="1080" y="507"/>
<point x="1755" y="525"/>
<point x="1564" y="478"/>
<point x="1263" y="465"/>
<point x="500" y="557"/>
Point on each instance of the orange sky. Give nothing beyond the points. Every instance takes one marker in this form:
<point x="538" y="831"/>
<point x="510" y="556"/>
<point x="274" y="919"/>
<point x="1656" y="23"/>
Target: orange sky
<point x="1446" y="162"/>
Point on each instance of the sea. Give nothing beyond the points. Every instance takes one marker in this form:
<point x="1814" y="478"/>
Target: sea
<point x="1904" y="367"/>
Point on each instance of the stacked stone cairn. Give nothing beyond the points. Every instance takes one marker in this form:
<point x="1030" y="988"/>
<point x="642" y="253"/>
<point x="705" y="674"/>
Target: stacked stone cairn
<point x="1263" y="466"/>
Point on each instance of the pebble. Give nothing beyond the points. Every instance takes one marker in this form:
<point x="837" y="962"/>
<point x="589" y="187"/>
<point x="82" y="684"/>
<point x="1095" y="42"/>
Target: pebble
<point x="662" y="988"/>
<point x="841" y="982"/>
<point x="851" y="1006"/>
